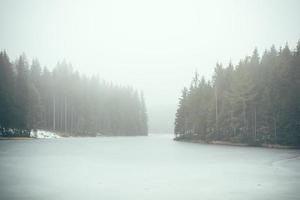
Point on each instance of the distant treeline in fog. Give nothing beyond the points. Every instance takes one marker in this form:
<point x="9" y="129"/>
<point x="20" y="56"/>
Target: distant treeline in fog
<point x="254" y="102"/>
<point x="63" y="101"/>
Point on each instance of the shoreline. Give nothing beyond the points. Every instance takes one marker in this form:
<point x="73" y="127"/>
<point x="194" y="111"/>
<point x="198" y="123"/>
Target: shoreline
<point x="65" y="136"/>
<point x="16" y="138"/>
<point x="227" y="143"/>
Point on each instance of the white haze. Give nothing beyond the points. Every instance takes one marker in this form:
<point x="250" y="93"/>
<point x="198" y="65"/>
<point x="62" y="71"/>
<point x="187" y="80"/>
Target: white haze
<point x="154" y="46"/>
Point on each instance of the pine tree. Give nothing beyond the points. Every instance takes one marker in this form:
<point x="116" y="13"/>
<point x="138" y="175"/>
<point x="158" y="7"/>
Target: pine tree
<point x="22" y="95"/>
<point x="7" y="110"/>
<point x="181" y="115"/>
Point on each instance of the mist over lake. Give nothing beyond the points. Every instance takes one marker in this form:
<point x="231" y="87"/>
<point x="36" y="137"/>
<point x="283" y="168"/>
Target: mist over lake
<point x="149" y="100"/>
<point x="153" y="167"/>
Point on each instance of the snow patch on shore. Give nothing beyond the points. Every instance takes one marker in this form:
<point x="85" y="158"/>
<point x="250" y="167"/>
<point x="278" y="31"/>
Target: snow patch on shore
<point x="42" y="134"/>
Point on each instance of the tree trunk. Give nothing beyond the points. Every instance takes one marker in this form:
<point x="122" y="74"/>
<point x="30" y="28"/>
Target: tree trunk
<point x="275" y="130"/>
<point x="54" y="113"/>
<point x="255" y="123"/>
<point x="216" y="96"/>
<point x="65" y="114"/>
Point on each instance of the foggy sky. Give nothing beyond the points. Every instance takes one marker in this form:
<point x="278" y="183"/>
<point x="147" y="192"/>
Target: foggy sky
<point x="155" y="46"/>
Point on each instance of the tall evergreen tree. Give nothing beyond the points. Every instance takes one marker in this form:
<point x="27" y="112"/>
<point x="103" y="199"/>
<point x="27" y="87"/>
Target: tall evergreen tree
<point x="22" y="93"/>
<point x="7" y="100"/>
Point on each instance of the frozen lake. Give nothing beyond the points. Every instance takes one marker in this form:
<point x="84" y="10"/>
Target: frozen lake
<point x="137" y="168"/>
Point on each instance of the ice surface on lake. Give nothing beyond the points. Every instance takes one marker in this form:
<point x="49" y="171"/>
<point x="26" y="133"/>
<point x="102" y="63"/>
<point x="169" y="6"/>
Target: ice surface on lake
<point x="42" y="134"/>
<point x="150" y="168"/>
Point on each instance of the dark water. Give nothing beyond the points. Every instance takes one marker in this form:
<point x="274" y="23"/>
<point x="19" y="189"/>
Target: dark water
<point x="137" y="168"/>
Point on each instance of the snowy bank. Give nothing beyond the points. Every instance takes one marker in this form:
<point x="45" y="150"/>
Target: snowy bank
<point x="42" y="134"/>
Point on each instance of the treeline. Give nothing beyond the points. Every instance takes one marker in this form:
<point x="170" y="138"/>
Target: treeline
<point x="63" y="101"/>
<point x="254" y="102"/>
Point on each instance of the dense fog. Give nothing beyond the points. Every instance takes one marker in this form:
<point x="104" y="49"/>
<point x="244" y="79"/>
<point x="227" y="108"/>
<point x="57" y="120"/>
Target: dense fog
<point x="149" y="100"/>
<point x="154" y="46"/>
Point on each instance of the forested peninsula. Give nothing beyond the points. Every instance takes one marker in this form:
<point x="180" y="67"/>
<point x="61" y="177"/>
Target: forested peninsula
<point x="256" y="102"/>
<point x="65" y="102"/>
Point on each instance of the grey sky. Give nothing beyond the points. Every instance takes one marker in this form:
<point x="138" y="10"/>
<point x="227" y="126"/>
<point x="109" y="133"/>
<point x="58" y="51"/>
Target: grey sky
<point x="154" y="45"/>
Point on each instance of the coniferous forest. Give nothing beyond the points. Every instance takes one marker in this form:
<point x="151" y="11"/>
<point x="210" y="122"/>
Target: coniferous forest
<point x="65" y="102"/>
<point x="255" y="102"/>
